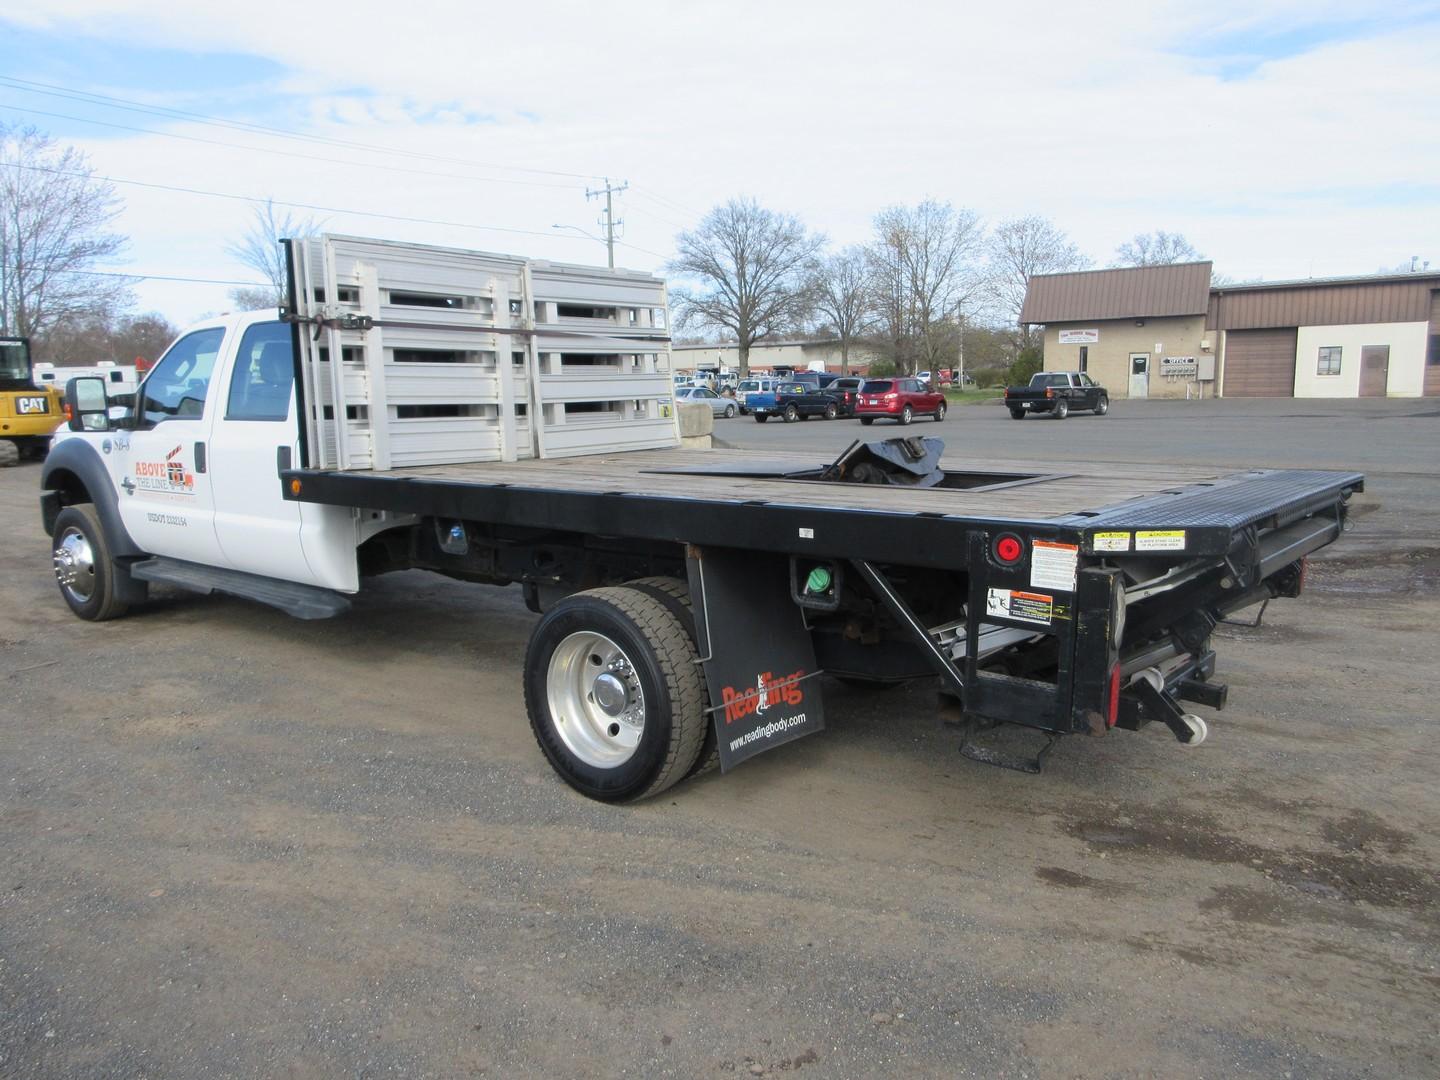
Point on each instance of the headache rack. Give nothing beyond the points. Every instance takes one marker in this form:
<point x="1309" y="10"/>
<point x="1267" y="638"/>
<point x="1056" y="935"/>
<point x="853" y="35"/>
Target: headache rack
<point x="451" y="356"/>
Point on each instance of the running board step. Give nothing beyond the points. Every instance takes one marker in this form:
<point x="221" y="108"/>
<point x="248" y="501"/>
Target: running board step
<point x="301" y="601"/>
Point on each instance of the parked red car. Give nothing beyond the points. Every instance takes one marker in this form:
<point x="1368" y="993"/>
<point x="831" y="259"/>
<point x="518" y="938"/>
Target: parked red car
<point x="898" y="399"/>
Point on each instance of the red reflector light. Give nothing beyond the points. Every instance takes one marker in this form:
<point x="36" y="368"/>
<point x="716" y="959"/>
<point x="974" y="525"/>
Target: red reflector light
<point x="1009" y="549"/>
<point x="1112" y="705"/>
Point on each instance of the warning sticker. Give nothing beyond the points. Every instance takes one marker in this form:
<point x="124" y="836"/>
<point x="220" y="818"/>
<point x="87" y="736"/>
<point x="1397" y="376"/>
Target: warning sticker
<point x="1164" y="540"/>
<point x="1112" y="541"/>
<point x="1024" y="606"/>
<point x="1052" y="565"/>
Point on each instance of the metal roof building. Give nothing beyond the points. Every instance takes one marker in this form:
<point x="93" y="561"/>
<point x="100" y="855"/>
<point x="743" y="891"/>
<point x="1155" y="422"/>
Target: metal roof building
<point x="1165" y="331"/>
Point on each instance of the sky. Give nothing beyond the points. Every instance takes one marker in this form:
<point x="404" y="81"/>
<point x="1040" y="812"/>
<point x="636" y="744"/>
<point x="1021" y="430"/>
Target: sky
<point x="1283" y="138"/>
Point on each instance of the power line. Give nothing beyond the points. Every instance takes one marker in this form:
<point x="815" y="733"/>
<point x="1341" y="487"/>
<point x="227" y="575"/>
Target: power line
<point x="154" y="277"/>
<point x="287" y="153"/>
<point x="665" y="200"/>
<point x="244" y="125"/>
<point x="281" y="202"/>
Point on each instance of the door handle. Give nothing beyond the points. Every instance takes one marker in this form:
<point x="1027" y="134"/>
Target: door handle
<point x="199" y="457"/>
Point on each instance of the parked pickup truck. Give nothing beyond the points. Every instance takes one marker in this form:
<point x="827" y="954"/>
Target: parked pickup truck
<point x="1058" y="393"/>
<point x="793" y="401"/>
<point x="688" y="600"/>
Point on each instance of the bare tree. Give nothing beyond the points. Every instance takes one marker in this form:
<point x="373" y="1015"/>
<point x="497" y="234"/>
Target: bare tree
<point x="54" y="228"/>
<point x="102" y="336"/>
<point x="1018" y="250"/>
<point x="923" y="268"/>
<point x="259" y="249"/>
<point x="751" y="265"/>
<point x="1159" y="248"/>
<point x="840" y="292"/>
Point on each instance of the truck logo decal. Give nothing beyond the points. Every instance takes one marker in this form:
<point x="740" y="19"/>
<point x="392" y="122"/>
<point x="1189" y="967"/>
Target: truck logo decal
<point x="169" y="475"/>
<point x="29" y="406"/>
<point x="767" y="691"/>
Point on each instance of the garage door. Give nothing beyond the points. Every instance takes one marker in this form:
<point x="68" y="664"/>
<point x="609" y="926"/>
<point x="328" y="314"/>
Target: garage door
<point x="1260" y="363"/>
<point x="1432" y="355"/>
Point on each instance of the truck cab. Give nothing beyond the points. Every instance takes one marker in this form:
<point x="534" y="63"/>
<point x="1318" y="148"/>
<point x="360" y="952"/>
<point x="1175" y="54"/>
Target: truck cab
<point x="186" y="468"/>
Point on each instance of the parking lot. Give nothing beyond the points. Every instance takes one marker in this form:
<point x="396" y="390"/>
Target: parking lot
<point x="234" y="844"/>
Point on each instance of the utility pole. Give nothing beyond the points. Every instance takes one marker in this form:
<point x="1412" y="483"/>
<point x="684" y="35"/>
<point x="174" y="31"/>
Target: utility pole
<point x="609" y="219"/>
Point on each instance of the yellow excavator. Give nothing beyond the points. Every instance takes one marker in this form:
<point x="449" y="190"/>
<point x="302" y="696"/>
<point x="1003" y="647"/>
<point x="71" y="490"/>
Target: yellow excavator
<point x="28" y="413"/>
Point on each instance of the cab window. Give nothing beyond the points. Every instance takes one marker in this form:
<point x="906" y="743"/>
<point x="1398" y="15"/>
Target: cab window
<point x="263" y="374"/>
<point x="178" y="385"/>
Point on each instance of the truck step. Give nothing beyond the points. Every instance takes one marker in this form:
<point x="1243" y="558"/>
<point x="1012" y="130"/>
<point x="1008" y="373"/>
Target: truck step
<point x="301" y="601"/>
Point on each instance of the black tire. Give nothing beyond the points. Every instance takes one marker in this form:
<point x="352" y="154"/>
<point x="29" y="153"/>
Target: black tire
<point x="791" y="413"/>
<point x="9" y="454"/>
<point x="729" y="412"/>
<point x="940" y="412"/>
<point x="1102" y="406"/>
<point x="92" y="594"/>
<point x="906" y="415"/>
<point x="867" y="420"/>
<point x="760" y="418"/>
<point x="831" y="411"/>
<point x="1061" y="410"/>
<point x="1017" y="414"/>
<point x="659" y="646"/>
<point x="709" y="758"/>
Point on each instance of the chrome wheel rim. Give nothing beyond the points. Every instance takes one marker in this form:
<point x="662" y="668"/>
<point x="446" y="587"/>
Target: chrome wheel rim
<point x="75" y="565"/>
<point x="597" y="705"/>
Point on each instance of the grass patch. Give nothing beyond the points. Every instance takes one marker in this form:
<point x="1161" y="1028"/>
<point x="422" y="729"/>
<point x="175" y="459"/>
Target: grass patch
<point x="972" y="396"/>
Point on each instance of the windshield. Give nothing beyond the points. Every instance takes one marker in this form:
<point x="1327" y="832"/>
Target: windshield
<point x="749" y="384"/>
<point x="1050" y="380"/>
<point x="15" y="361"/>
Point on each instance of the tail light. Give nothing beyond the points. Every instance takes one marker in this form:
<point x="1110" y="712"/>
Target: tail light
<point x="1049" y="391"/>
<point x="69" y="412"/>
<point x="892" y="397"/>
<point x="1112" y="699"/>
<point x="1008" y="549"/>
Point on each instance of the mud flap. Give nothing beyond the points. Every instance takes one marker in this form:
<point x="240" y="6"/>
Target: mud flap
<point x="756" y="650"/>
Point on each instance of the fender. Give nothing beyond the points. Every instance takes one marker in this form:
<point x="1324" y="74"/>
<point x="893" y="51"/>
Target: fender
<point x="79" y="458"/>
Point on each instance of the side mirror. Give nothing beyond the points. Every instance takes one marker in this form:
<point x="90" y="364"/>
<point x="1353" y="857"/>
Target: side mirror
<point x="86" y="406"/>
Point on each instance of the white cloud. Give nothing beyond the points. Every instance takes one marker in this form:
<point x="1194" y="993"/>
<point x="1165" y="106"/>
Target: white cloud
<point x="1111" y="119"/>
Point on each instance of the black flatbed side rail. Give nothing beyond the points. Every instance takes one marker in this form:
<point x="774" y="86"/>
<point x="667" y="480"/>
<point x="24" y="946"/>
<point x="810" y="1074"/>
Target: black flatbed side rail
<point x="936" y="540"/>
<point x="1213" y="514"/>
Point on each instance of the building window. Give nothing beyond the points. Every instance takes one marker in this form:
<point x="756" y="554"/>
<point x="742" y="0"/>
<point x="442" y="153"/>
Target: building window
<point x="1434" y="358"/>
<point x="1329" y="360"/>
<point x="1084" y="357"/>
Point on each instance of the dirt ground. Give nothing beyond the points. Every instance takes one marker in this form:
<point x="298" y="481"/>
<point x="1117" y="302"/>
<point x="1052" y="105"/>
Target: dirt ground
<point x="237" y="845"/>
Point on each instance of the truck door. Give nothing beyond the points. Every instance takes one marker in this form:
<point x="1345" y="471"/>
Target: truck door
<point x="160" y="466"/>
<point x="258" y="529"/>
<point x="1139" y="375"/>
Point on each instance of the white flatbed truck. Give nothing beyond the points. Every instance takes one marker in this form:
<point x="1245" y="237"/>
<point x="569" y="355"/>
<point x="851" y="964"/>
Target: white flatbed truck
<point x="498" y="420"/>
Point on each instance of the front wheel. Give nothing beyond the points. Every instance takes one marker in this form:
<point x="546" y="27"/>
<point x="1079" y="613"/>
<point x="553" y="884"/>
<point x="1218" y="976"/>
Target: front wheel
<point x="907" y="414"/>
<point x="729" y="412"/>
<point x="1017" y="414"/>
<point x="939" y="412"/>
<point x="791" y="414"/>
<point x="760" y="418"/>
<point x="867" y="420"/>
<point x="831" y="412"/>
<point x="84" y="570"/>
<point x="1062" y="409"/>
<point x="614" y="693"/>
<point x="1102" y="406"/>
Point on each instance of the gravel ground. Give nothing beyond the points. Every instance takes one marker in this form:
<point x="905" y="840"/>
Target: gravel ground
<point x="236" y="845"/>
